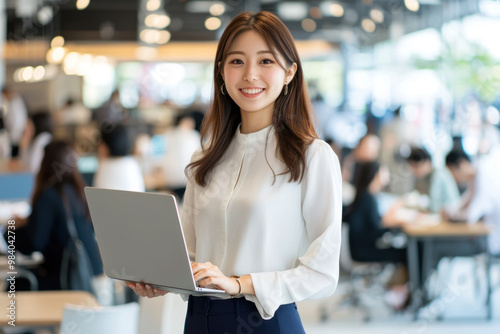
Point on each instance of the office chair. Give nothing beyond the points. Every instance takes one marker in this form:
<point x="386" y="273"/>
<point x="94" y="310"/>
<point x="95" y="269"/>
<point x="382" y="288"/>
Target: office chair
<point x="121" y="319"/>
<point x="361" y="279"/>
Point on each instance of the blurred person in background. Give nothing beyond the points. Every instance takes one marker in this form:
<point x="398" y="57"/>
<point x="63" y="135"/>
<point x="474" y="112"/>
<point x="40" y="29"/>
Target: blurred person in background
<point x="437" y="183"/>
<point x="367" y="150"/>
<point x="369" y="232"/>
<point x="37" y="135"/>
<point x="111" y="112"/>
<point x="181" y="142"/>
<point x="396" y="136"/>
<point x="485" y="203"/>
<point x="15" y="118"/>
<point x="72" y="112"/>
<point x="481" y="200"/>
<point x="58" y="194"/>
<point x="5" y="149"/>
<point x="117" y="167"/>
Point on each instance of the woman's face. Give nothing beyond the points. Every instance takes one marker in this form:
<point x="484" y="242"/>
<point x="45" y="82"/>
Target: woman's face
<point x="253" y="77"/>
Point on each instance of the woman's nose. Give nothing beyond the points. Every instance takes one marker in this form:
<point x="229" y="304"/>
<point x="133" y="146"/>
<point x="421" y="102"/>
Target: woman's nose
<point x="251" y="73"/>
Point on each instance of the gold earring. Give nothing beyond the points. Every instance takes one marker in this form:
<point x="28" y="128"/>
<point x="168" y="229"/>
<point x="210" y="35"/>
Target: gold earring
<point x="222" y="88"/>
<point x="286" y="89"/>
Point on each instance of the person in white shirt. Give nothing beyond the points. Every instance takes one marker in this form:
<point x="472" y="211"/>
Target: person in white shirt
<point x="15" y="118"/>
<point x="117" y="168"/>
<point x="262" y="208"/>
<point x="181" y="142"/>
<point x="485" y="203"/>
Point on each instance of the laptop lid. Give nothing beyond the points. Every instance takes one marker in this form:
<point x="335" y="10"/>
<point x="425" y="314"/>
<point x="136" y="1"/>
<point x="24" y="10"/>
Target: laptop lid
<point x="140" y="237"/>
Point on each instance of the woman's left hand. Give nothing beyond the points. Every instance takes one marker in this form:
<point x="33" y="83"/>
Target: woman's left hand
<point x="209" y="276"/>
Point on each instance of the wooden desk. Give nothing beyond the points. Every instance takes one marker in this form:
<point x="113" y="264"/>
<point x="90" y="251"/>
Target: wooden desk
<point x="430" y="235"/>
<point x="446" y="229"/>
<point x="42" y="308"/>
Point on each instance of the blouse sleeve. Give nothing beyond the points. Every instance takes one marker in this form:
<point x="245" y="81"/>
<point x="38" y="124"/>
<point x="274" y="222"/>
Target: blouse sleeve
<point x="317" y="272"/>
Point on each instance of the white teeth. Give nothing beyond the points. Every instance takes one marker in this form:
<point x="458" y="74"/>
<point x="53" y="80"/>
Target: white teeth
<point x="252" y="91"/>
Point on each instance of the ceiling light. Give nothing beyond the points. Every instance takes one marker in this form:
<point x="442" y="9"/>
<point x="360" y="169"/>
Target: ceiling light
<point x="70" y="64"/>
<point x="157" y="21"/>
<point x="27" y="74"/>
<point x="45" y="15"/>
<point x="412" y="5"/>
<point x="217" y="9"/>
<point x="153" y="5"/>
<point x="18" y="75"/>
<point x="38" y="73"/>
<point x="149" y="36"/>
<point x="55" y="55"/>
<point x="336" y="10"/>
<point x="377" y="15"/>
<point x="82" y="4"/>
<point x="213" y="23"/>
<point x="57" y="42"/>
<point x="368" y="25"/>
<point x="308" y="25"/>
<point x="163" y="37"/>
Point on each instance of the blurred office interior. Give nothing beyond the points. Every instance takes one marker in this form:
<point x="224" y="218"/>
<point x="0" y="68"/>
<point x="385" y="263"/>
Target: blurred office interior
<point x="403" y="74"/>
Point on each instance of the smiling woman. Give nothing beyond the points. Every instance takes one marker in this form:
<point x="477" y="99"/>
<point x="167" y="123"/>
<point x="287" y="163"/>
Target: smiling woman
<point x="254" y="78"/>
<point x="253" y="222"/>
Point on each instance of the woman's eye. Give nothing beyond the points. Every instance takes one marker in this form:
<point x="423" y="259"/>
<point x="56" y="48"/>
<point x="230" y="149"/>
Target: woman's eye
<point x="236" y="61"/>
<point x="267" y="61"/>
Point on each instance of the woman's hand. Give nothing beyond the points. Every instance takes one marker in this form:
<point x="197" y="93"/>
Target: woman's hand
<point x="209" y="276"/>
<point x="145" y="290"/>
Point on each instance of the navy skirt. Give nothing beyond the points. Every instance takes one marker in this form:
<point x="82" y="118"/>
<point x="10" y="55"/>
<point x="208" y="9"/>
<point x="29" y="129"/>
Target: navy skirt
<point x="238" y="316"/>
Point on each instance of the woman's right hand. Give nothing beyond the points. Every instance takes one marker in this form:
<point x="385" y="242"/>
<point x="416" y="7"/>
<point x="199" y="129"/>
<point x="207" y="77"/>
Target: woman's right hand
<point x="145" y="290"/>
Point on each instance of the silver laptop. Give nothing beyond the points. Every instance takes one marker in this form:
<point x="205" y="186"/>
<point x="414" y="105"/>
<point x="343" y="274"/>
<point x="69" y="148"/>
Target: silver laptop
<point x="140" y="239"/>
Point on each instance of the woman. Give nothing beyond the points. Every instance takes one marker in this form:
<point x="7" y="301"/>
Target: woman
<point x="59" y="187"/>
<point x="262" y="209"/>
<point x="41" y="135"/>
<point x="366" y="226"/>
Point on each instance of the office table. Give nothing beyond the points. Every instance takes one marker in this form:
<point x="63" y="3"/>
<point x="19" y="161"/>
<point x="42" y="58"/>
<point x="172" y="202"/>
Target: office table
<point x="430" y="235"/>
<point x="42" y="308"/>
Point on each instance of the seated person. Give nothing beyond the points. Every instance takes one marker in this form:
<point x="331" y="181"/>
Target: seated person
<point x="481" y="200"/>
<point x="464" y="173"/>
<point x="367" y="150"/>
<point x="37" y="134"/>
<point x="59" y="185"/>
<point x="117" y="167"/>
<point x="44" y="128"/>
<point x="366" y="226"/>
<point x="437" y="183"/>
<point x="366" y="231"/>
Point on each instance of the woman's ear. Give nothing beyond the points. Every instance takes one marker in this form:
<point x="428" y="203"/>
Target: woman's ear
<point x="290" y="73"/>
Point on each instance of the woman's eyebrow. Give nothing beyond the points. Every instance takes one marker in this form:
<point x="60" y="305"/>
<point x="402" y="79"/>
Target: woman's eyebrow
<point x="243" y="53"/>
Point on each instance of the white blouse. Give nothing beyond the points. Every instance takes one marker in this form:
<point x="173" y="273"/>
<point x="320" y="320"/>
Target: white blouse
<point x="286" y="235"/>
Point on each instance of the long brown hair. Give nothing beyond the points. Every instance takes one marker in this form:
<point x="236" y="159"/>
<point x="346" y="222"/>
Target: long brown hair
<point x="292" y="117"/>
<point x="59" y="167"/>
